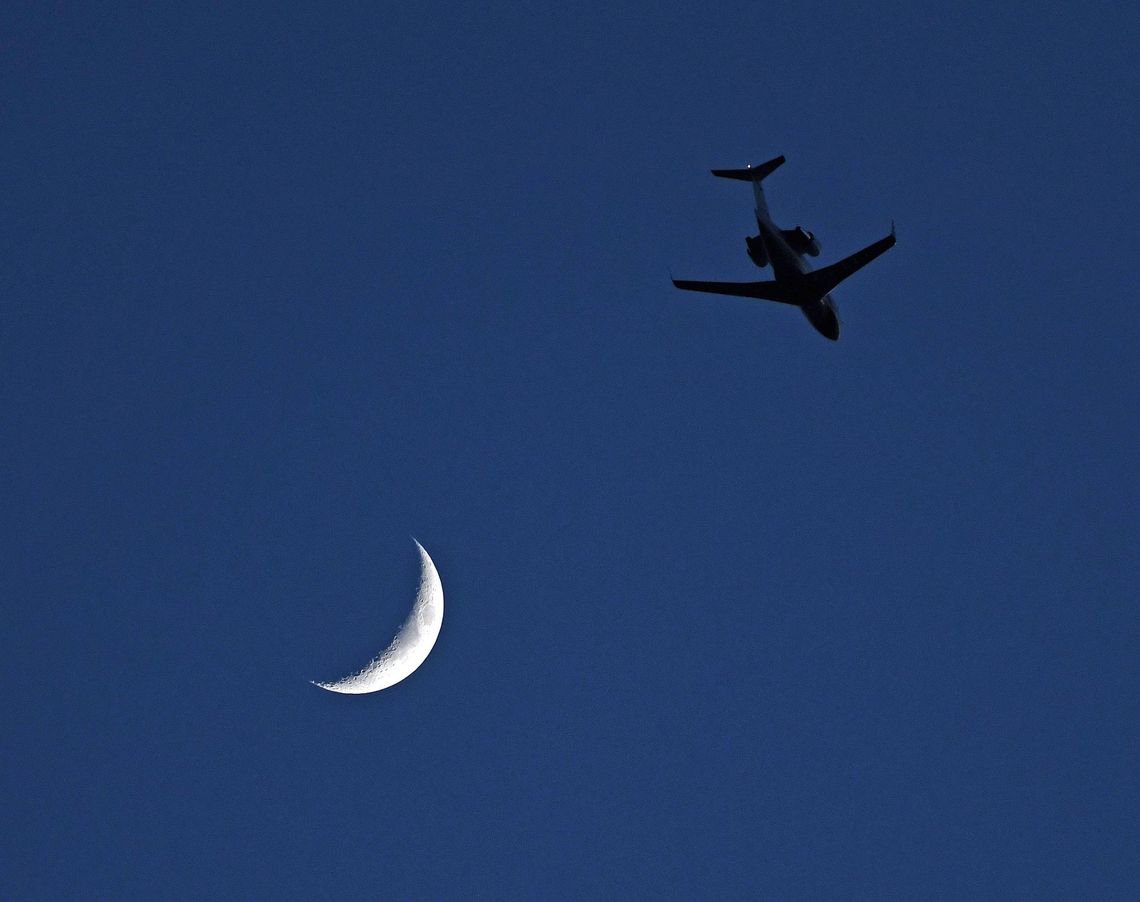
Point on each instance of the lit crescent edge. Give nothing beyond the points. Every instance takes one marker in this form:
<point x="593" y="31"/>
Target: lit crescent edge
<point x="412" y="644"/>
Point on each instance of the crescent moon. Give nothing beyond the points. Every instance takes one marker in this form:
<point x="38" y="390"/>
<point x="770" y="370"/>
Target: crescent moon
<point x="412" y="644"/>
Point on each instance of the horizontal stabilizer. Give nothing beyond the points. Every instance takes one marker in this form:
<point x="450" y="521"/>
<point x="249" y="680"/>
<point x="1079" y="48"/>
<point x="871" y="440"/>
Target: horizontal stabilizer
<point x="751" y="173"/>
<point x="827" y="277"/>
<point x="761" y="291"/>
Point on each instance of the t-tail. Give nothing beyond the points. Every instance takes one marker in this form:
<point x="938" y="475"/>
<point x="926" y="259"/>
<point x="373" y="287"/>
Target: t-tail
<point x="755" y="175"/>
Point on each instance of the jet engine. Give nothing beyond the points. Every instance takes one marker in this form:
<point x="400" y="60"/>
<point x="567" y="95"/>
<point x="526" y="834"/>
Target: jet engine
<point x="801" y="241"/>
<point x="757" y="253"/>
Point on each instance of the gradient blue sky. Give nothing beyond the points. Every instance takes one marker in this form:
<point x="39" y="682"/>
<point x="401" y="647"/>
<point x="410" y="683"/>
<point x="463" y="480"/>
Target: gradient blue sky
<point x="732" y="611"/>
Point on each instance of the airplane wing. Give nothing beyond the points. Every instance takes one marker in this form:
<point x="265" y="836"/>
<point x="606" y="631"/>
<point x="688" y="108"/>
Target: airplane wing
<point x="762" y="291"/>
<point x="827" y="277"/>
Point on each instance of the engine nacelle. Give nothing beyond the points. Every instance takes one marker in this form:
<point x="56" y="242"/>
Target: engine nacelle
<point x="757" y="253"/>
<point x="801" y="241"/>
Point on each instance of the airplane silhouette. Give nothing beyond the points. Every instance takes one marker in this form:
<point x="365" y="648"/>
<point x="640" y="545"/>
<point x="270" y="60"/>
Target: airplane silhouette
<point x="795" y="283"/>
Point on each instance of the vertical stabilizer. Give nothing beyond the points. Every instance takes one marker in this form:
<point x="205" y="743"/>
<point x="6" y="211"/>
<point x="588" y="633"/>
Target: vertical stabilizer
<point x="755" y="175"/>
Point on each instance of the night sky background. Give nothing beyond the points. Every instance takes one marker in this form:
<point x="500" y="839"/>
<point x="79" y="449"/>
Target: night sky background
<point x="731" y="611"/>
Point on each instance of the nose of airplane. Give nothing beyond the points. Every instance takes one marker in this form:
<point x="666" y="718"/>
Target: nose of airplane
<point x="823" y="317"/>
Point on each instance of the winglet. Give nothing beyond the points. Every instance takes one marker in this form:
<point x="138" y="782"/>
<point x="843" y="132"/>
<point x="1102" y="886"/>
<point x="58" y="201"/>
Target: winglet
<point x="751" y="173"/>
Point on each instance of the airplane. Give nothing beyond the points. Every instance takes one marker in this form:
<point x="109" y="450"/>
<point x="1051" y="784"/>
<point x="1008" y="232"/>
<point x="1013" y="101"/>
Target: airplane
<point x="795" y="283"/>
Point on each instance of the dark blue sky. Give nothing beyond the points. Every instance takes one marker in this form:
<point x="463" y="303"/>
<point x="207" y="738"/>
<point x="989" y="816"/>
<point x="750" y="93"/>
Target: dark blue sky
<point x="732" y="611"/>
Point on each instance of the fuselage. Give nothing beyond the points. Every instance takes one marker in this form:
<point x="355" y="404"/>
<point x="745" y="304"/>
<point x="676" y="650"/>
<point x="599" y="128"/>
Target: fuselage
<point x="790" y="270"/>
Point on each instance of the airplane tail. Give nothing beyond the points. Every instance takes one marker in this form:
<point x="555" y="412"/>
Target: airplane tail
<point x="755" y="175"/>
<point x="751" y="173"/>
